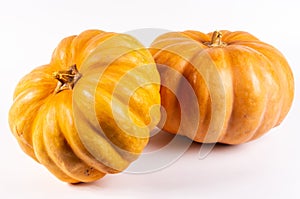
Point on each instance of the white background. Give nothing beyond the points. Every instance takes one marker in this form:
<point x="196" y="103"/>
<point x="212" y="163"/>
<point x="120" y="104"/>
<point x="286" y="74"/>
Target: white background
<point x="265" y="168"/>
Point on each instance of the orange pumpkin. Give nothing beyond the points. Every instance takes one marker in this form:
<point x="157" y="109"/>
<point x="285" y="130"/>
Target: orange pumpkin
<point x="242" y="87"/>
<point x="89" y="111"/>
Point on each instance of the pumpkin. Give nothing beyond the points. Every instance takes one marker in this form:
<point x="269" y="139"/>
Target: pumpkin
<point x="89" y="111"/>
<point x="224" y="86"/>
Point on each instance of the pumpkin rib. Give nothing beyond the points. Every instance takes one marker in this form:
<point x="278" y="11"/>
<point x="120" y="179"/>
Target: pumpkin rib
<point x="171" y="101"/>
<point x="62" y="54"/>
<point x="81" y="41"/>
<point x="217" y="57"/>
<point x="109" y="156"/>
<point x="23" y="136"/>
<point x="90" y="45"/>
<point x="270" y="61"/>
<point x="281" y="68"/>
<point x="57" y="147"/>
<point x="41" y="152"/>
<point x="117" y="144"/>
<point x="197" y="36"/>
<point x="165" y="42"/>
<point x="27" y="101"/>
<point x="84" y="122"/>
<point x="202" y="91"/>
<point x="102" y="132"/>
<point x="137" y="100"/>
<point x="236" y="36"/>
<point x="78" y="148"/>
<point x="36" y="77"/>
<point x="251" y="102"/>
<point x="275" y="104"/>
<point x="135" y="93"/>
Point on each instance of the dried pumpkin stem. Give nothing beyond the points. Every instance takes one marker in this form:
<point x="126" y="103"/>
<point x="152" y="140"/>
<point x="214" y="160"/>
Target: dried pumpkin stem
<point x="216" y="40"/>
<point x="66" y="79"/>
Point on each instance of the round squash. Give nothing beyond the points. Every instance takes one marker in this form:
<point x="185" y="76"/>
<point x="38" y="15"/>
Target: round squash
<point x="89" y="111"/>
<point x="243" y="87"/>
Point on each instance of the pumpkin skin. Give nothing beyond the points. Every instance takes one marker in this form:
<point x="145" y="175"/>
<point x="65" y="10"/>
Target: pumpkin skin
<point x="89" y="111"/>
<point x="243" y="86"/>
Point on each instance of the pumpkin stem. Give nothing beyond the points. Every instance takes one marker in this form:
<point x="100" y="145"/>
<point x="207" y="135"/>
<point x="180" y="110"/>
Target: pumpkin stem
<point x="216" y="40"/>
<point x="66" y="79"/>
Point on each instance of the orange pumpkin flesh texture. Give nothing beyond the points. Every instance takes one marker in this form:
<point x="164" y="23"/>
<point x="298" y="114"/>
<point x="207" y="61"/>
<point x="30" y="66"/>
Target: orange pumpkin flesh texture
<point x="89" y="111"/>
<point x="243" y="87"/>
